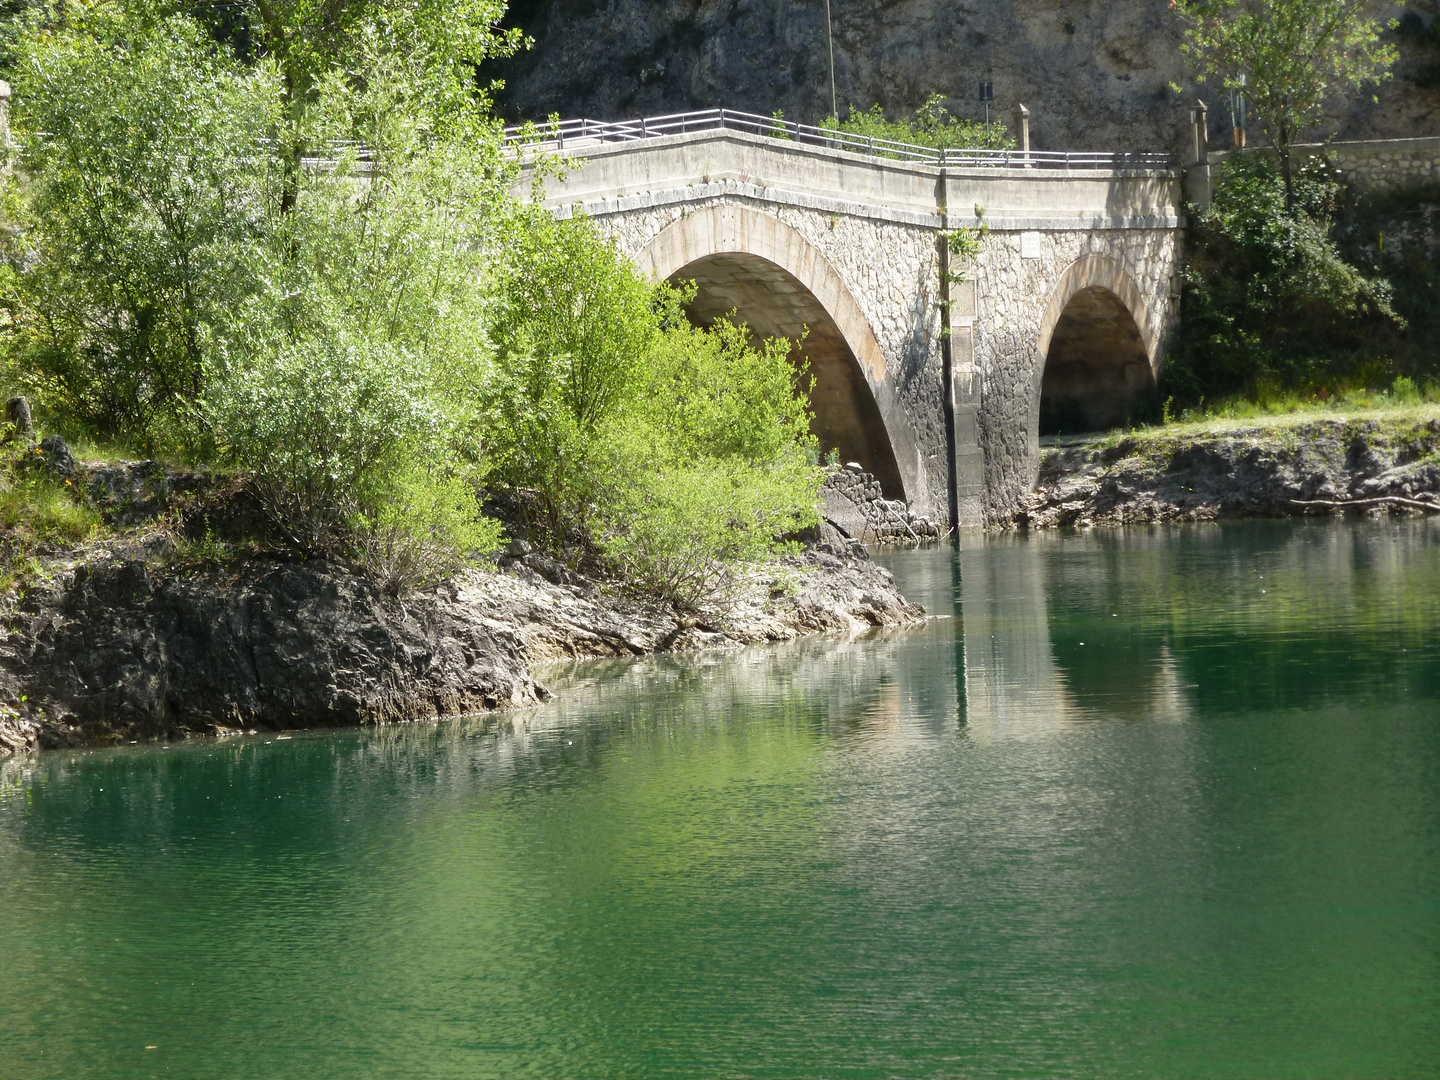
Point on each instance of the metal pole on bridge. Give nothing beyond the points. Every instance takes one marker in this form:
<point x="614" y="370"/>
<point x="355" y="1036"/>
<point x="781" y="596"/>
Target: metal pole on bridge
<point x="830" y="44"/>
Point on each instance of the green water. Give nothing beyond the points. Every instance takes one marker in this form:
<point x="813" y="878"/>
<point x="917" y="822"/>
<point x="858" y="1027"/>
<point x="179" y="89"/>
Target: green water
<point x="1140" y="804"/>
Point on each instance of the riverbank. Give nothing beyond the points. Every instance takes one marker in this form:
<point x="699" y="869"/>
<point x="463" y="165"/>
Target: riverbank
<point x="145" y="635"/>
<point x="1381" y="462"/>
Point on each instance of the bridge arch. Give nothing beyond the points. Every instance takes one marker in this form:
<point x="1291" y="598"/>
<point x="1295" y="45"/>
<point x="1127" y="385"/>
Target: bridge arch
<point x="1098" y="351"/>
<point x="781" y="285"/>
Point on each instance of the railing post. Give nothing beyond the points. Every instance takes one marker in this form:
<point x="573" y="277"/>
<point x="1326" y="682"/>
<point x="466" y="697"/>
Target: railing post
<point x="1200" y="128"/>
<point x="644" y="129"/>
<point x="722" y="119"/>
<point x="1022" y="127"/>
<point x="560" y="134"/>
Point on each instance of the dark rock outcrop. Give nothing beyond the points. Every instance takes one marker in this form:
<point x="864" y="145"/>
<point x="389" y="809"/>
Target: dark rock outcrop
<point x="127" y="648"/>
<point x="58" y="458"/>
<point x="120" y="649"/>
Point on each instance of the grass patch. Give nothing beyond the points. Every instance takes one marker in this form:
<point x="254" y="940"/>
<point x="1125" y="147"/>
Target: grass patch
<point x="37" y="512"/>
<point x="1398" y="418"/>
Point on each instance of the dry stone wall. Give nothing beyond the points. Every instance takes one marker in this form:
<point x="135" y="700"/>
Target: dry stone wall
<point x="855" y="504"/>
<point x="1373" y="165"/>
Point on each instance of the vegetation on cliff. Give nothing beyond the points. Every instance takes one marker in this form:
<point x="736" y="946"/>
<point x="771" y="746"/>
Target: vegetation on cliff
<point x="932" y="125"/>
<point x="284" y="243"/>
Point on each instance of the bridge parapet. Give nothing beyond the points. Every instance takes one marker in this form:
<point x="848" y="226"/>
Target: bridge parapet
<point x="621" y="176"/>
<point x="555" y="135"/>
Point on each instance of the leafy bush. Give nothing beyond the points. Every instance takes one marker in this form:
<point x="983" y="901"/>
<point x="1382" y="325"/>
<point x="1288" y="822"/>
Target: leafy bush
<point x="931" y="125"/>
<point x="685" y="531"/>
<point x="1269" y="298"/>
<point x="575" y="326"/>
<point x="353" y="457"/>
<point x="677" y="451"/>
<point x="345" y="383"/>
<point x="426" y="527"/>
<point x="717" y="464"/>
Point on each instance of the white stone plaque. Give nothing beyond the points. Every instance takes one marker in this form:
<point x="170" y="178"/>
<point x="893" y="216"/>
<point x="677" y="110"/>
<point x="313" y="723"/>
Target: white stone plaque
<point x="1029" y="245"/>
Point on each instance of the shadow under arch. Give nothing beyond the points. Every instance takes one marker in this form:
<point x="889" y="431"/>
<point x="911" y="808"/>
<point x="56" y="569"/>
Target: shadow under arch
<point x="781" y="285"/>
<point x="1099" y="351"/>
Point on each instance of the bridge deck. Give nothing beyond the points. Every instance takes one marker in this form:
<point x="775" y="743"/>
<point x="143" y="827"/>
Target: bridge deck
<point x="619" y="176"/>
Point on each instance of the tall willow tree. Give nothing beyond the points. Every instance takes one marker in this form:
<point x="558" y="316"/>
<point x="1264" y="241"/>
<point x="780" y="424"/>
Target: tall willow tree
<point x="1286" y="57"/>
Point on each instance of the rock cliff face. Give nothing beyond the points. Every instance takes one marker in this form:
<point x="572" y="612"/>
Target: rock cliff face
<point x="1095" y="75"/>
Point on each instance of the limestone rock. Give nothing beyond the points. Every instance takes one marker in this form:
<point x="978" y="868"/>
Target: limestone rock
<point x="1315" y="467"/>
<point x="1095" y="76"/>
<point x="122" y="648"/>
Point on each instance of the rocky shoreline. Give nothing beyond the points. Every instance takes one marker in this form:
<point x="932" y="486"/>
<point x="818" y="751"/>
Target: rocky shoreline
<point x="126" y="642"/>
<point x="1328" y="467"/>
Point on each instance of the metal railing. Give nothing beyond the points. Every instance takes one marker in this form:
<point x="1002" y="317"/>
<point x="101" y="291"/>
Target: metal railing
<point x="575" y="134"/>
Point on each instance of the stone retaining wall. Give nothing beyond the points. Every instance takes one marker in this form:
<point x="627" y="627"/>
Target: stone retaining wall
<point x="1373" y="165"/>
<point x="856" y="506"/>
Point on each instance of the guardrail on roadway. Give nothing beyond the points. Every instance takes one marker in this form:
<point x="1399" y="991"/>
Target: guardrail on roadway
<point x="572" y="134"/>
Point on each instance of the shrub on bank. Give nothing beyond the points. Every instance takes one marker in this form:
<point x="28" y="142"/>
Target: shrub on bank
<point x="1270" y="303"/>
<point x="669" y="451"/>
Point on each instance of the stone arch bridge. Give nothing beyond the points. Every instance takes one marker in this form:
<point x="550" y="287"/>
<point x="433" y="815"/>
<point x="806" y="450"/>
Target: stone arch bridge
<point x="937" y="378"/>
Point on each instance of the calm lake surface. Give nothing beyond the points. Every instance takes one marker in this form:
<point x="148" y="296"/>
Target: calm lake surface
<point x="1154" y="803"/>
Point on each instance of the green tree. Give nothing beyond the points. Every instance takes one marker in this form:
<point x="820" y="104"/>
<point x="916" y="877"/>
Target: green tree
<point x="142" y="183"/>
<point x="575" y="326"/>
<point x="439" y="43"/>
<point x="1286" y="57"/>
<point x="1269" y="298"/>
<point x="345" y="383"/>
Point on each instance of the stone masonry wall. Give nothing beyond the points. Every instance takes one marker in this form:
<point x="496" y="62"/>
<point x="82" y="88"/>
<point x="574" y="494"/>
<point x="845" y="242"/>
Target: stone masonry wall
<point x="1011" y="296"/>
<point x="1375" y="165"/>
<point x="855" y="504"/>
